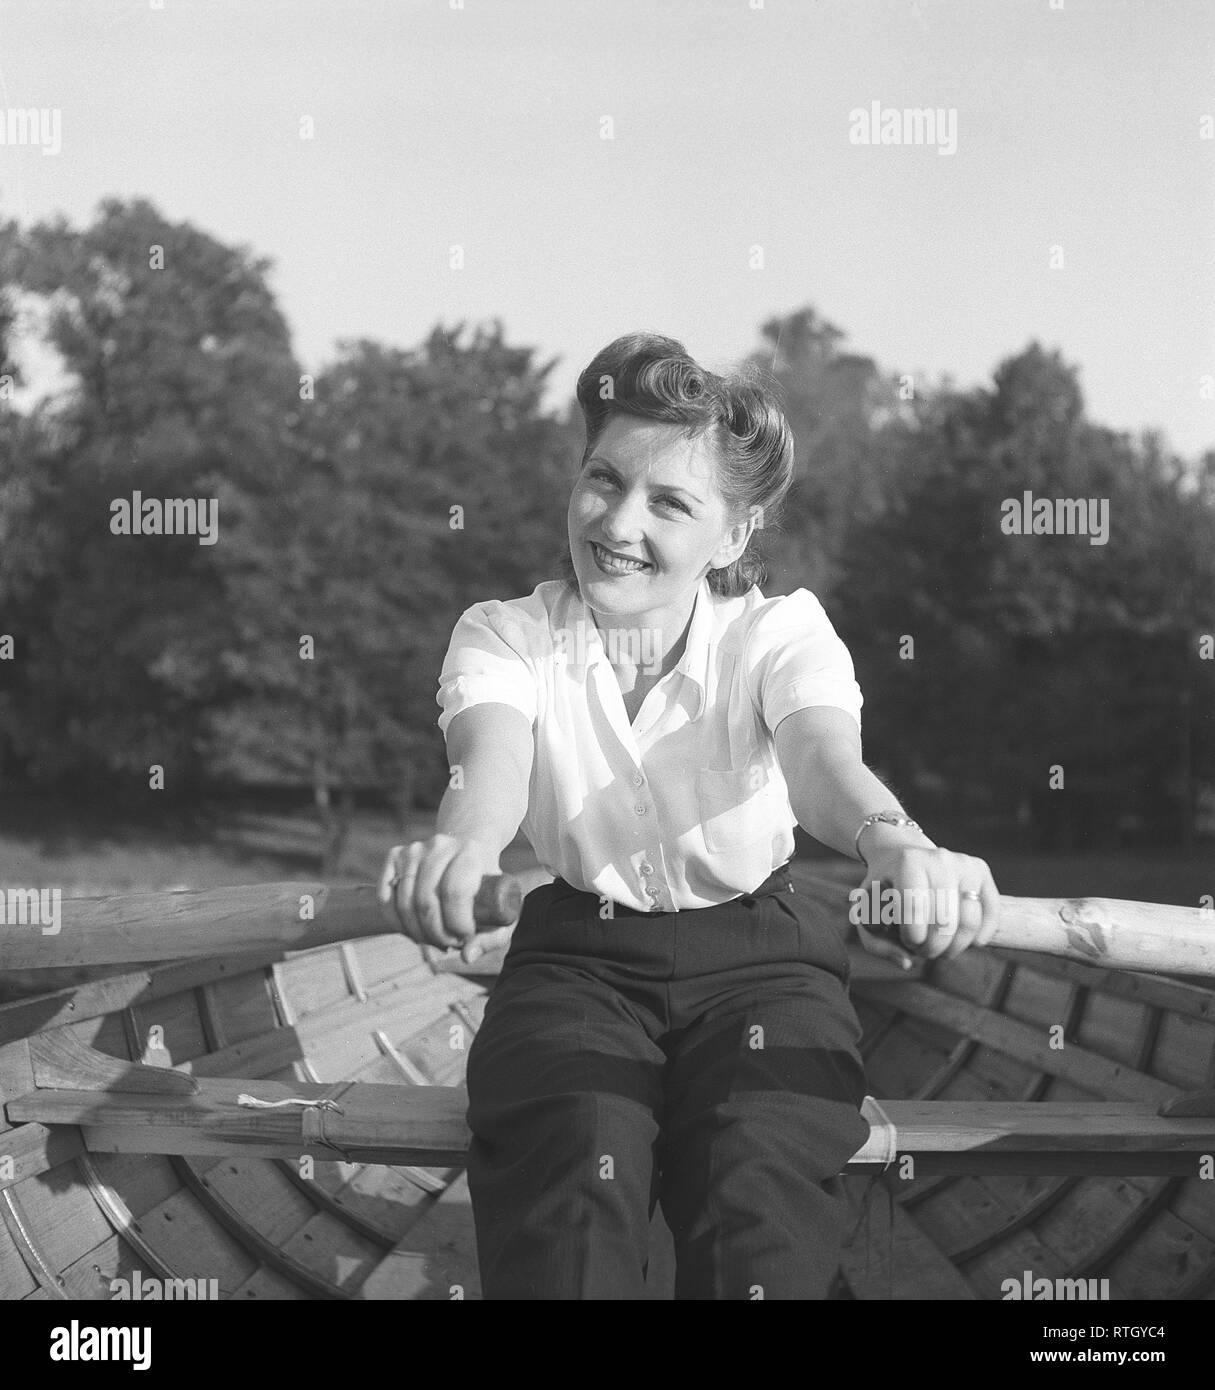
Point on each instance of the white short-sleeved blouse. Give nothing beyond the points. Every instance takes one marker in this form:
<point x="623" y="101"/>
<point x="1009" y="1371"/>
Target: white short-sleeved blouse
<point x="686" y="807"/>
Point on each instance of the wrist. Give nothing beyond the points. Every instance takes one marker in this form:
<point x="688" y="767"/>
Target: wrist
<point x="879" y="838"/>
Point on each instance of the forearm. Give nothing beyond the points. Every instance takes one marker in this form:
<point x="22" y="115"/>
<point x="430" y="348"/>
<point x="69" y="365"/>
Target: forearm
<point x="487" y="804"/>
<point x="833" y="792"/>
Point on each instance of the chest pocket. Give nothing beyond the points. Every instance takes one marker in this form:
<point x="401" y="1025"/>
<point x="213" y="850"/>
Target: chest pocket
<point x="735" y="813"/>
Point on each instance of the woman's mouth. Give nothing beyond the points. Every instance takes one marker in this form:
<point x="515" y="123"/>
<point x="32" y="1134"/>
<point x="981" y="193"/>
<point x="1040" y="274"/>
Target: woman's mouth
<point x="611" y="563"/>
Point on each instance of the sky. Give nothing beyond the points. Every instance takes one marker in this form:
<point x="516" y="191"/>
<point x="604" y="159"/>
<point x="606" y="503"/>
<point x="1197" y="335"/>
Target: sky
<point x="1077" y="206"/>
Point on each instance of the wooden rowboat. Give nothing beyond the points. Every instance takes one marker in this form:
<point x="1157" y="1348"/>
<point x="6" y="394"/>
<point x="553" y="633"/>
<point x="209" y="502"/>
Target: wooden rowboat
<point x="277" y="1111"/>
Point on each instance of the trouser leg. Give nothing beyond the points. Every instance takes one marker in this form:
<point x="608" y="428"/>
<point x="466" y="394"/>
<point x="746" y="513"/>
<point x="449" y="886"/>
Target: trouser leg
<point x="564" y="1088"/>
<point x="763" y="1098"/>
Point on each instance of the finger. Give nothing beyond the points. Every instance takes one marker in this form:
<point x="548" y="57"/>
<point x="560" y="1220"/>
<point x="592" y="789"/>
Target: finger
<point x="970" y="922"/>
<point x="946" y="915"/>
<point x="915" y="913"/>
<point x="885" y="947"/>
<point x="485" y="941"/>
<point x="425" y="899"/>
<point x="991" y="907"/>
<point x="456" y="891"/>
<point x="384" y="889"/>
<point x="402" y="901"/>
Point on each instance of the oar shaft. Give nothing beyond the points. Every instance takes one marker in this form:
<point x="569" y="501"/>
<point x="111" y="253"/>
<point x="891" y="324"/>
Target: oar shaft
<point x="294" y="916"/>
<point x="261" y="917"/>
<point x="1105" y="932"/>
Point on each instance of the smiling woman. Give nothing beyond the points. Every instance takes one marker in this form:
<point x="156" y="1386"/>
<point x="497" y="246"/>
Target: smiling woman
<point x="670" y="1023"/>
<point x="741" y="462"/>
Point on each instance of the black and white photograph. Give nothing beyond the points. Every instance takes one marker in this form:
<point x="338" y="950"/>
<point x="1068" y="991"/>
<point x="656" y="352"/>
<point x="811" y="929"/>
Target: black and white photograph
<point x="607" y="665"/>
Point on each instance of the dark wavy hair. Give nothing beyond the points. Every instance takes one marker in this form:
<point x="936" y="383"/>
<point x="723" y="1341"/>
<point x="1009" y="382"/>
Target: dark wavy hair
<point x="653" y="378"/>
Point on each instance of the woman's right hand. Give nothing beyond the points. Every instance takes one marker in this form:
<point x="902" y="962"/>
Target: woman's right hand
<point x="427" y="889"/>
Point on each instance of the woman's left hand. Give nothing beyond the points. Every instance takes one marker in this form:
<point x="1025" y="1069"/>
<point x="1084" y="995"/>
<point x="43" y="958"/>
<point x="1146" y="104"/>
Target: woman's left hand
<point x="945" y="902"/>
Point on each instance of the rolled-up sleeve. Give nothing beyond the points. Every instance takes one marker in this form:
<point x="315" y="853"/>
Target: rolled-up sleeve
<point x="486" y="663"/>
<point x="795" y="660"/>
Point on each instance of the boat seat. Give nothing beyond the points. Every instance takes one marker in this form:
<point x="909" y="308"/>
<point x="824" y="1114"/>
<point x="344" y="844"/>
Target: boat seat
<point x="425" y="1125"/>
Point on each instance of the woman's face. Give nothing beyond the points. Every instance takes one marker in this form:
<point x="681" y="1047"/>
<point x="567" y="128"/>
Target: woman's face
<point x="650" y="495"/>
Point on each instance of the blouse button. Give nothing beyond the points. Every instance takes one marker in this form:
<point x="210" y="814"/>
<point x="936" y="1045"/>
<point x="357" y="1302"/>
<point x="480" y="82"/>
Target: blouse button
<point x="647" y="868"/>
<point x="640" y="809"/>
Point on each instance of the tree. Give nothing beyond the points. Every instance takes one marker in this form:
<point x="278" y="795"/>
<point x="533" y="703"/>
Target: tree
<point x="424" y="481"/>
<point x="837" y="404"/>
<point x="1035" y="651"/>
<point x="181" y="381"/>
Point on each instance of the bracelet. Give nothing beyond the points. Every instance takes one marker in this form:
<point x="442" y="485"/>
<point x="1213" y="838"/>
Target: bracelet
<point x="884" y="818"/>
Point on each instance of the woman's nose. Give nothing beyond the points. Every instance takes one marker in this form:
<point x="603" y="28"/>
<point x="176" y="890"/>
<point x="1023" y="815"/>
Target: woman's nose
<point x="622" y="521"/>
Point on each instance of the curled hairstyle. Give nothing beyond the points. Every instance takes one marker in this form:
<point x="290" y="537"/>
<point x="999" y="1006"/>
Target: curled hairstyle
<point x="653" y="378"/>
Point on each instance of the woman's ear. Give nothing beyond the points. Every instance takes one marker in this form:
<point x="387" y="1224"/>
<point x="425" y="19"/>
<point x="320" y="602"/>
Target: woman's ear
<point x="733" y="544"/>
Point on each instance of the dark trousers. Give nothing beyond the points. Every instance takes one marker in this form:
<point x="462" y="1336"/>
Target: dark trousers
<point x="707" y="1059"/>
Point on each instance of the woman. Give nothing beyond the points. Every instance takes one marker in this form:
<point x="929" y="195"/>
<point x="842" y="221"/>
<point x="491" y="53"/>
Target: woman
<point x="669" y="1023"/>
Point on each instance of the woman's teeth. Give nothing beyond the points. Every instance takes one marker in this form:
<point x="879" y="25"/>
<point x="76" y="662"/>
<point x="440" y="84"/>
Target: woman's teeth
<point x="609" y="562"/>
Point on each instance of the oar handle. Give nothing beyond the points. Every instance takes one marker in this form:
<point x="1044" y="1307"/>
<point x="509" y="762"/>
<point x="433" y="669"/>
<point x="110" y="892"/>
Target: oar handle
<point x="1107" y="932"/>
<point x="498" y="902"/>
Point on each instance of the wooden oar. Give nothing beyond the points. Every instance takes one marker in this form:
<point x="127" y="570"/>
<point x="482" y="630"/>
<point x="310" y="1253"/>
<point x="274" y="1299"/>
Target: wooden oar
<point x="141" y="927"/>
<point x="1106" y="932"/>
<point x="294" y="916"/>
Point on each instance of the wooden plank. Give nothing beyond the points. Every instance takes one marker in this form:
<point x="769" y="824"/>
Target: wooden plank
<point x="180" y="1024"/>
<point x="89" y="1276"/>
<point x="392" y="1124"/>
<point x="265" y="1286"/>
<point x="1194" y="1000"/>
<point x="95" y="998"/>
<point x="1165" y="1256"/>
<point x="1045" y="1130"/>
<point x="330" y="1250"/>
<point x="186" y="1239"/>
<point x="16" y="1281"/>
<point x="1009" y="1260"/>
<point x="61" y="1216"/>
<point x="1096" y="1074"/>
<point x="426" y="1126"/>
<point x="1036" y="998"/>
<point x="1115" y="1027"/>
<point x="437" y="1258"/>
<point x="387" y="958"/>
<point x="61" y="1062"/>
<point x="1184" y="1051"/>
<point x="341" y="1035"/>
<point x="270" y="1203"/>
<point x="256" y="917"/>
<point x="240" y="1008"/>
<point x="16" y="1070"/>
<point x="918" y="1268"/>
<point x="313" y="983"/>
<point x="1078" y="1229"/>
<point x="274" y="1253"/>
<point x="35" y="1148"/>
<point x="1194" y="1203"/>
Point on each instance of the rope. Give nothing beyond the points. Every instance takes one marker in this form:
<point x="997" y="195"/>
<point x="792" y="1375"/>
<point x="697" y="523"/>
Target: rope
<point x="312" y="1120"/>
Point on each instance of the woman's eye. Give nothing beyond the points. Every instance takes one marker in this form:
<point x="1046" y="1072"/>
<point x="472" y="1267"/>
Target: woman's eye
<point x="666" y="500"/>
